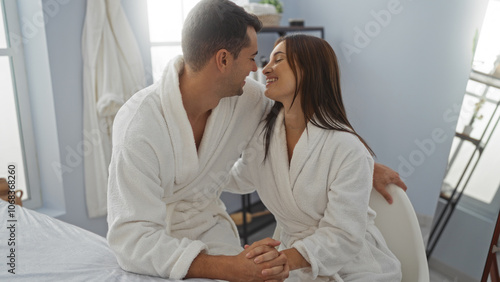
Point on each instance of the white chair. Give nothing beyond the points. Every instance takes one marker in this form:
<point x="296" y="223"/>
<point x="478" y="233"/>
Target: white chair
<point x="399" y="226"/>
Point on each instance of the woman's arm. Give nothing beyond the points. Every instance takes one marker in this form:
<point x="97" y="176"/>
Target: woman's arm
<point x="341" y="231"/>
<point x="295" y="259"/>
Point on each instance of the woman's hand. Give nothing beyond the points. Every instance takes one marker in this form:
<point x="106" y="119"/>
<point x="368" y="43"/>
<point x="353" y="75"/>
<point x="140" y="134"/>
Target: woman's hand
<point x="295" y="259"/>
<point x="270" y="265"/>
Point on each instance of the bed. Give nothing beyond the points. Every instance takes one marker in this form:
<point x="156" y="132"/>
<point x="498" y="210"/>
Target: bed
<point x="36" y="247"/>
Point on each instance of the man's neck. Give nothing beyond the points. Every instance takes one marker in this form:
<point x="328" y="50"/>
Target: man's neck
<point x="199" y="94"/>
<point x="199" y="97"/>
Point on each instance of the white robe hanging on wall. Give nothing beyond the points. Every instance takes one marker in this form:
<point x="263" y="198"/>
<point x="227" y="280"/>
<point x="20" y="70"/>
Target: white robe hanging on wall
<point x="112" y="72"/>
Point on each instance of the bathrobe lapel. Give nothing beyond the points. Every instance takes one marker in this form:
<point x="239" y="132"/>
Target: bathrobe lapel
<point x="185" y="155"/>
<point x="285" y="175"/>
<point x="188" y="161"/>
<point x="217" y="124"/>
<point x="307" y="143"/>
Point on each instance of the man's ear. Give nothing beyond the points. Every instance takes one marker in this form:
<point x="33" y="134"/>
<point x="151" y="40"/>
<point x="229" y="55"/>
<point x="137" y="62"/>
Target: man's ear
<point x="223" y="59"/>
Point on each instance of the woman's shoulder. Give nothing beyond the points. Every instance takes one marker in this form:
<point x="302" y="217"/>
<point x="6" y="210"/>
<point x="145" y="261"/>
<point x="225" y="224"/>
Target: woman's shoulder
<point x="347" y="143"/>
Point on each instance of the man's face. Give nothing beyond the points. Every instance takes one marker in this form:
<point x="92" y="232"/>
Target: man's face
<point x="243" y="65"/>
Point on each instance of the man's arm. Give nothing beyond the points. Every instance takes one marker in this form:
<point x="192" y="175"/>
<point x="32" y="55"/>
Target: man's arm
<point x="137" y="233"/>
<point x="382" y="176"/>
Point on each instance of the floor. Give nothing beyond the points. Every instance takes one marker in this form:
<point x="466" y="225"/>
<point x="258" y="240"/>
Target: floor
<point x="435" y="274"/>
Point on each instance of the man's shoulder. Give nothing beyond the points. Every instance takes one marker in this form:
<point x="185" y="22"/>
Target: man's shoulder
<point x="143" y="102"/>
<point x="141" y="113"/>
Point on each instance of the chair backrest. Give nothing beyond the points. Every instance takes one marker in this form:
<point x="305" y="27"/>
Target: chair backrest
<point x="399" y="225"/>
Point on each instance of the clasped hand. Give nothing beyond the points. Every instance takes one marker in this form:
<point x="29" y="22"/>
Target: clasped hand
<point x="262" y="262"/>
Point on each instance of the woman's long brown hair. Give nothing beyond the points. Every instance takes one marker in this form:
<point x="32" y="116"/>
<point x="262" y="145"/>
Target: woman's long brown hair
<point x="321" y="98"/>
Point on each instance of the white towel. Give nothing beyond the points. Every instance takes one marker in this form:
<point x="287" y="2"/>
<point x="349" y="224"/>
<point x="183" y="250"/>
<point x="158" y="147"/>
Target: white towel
<point x="164" y="205"/>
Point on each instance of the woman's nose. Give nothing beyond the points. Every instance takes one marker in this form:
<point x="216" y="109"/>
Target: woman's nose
<point x="266" y="69"/>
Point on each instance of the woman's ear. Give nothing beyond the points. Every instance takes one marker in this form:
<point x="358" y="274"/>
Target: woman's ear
<point x="223" y="59"/>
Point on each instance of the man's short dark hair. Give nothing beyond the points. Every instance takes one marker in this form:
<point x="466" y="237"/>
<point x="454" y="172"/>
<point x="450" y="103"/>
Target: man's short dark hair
<point x="213" y="25"/>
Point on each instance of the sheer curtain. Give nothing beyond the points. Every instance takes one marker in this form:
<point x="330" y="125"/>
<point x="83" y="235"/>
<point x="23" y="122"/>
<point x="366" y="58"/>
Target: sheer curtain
<point x="113" y="72"/>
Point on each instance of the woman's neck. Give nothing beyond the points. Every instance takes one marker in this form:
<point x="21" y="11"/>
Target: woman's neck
<point x="294" y="126"/>
<point x="294" y="117"/>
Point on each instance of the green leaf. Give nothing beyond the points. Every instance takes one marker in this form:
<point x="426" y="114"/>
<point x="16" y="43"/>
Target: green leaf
<point x="275" y="3"/>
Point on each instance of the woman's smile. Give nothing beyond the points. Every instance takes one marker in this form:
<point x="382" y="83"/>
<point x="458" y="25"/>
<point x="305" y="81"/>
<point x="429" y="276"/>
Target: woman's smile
<point x="270" y="80"/>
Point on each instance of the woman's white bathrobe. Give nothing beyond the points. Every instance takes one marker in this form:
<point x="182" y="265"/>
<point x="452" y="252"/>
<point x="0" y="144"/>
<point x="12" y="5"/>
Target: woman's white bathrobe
<point x="320" y="201"/>
<point x="163" y="195"/>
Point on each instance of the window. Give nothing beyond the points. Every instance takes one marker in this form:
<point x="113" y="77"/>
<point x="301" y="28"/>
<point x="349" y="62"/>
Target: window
<point x="165" y="25"/>
<point x="17" y="145"/>
<point x="473" y="159"/>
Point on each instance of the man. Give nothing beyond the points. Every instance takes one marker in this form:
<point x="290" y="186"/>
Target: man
<point x="174" y="141"/>
<point x="173" y="146"/>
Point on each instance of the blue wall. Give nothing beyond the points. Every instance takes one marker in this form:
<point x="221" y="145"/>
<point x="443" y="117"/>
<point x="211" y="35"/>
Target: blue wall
<point x="63" y="31"/>
<point x="404" y="68"/>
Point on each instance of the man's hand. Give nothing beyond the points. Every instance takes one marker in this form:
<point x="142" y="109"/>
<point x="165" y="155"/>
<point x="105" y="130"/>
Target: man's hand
<point x="382" y="176"/>
<point x="271" y="265"/>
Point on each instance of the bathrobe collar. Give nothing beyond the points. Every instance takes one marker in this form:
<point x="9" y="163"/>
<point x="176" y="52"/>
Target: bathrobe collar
<point x="189" y="162"/>
<point x="286" y="175"/>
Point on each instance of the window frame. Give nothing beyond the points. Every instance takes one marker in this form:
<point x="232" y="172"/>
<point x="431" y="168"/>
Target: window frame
<point x="153" y="44"/>
<point x="472" y="204"/>
<point x="21" y="95"/>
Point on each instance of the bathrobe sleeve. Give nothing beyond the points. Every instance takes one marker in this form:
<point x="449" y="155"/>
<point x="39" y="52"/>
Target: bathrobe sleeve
<point x="243" y="171"/>
<point x="241" y="176"/>
<point x="137" y="226"/>
<point x="341" y="230"/>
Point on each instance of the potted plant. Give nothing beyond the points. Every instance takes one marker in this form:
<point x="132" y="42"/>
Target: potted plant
<point x="275" y="3"/>
<point x="274" y="18"/>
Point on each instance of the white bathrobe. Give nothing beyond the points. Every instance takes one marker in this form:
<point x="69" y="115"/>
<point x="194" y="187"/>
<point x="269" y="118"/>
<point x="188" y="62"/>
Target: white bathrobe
<point x="112" y="72"/>
<point x="320" y="201"/>
<point x="163" y="195"/>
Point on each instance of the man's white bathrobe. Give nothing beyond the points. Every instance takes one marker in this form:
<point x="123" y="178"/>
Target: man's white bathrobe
<point x="163" y="195"/>
<point x="320" y="201"/>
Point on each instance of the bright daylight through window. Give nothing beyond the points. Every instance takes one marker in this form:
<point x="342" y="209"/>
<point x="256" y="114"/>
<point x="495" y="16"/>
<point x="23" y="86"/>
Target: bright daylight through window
<point x="165" y="26"/>
<point x="478" y="139"/>
<point x="17" y="149"/>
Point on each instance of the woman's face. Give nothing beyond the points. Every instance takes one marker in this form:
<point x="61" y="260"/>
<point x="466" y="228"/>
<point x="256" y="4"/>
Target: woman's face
<point x="280" y="81"/>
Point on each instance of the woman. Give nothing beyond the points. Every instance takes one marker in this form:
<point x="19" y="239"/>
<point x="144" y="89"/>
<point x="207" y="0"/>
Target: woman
<point x="314" y="172"/>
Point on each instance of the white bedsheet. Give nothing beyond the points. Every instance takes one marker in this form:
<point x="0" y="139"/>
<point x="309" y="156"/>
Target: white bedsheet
<point x="47" y="249"/>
